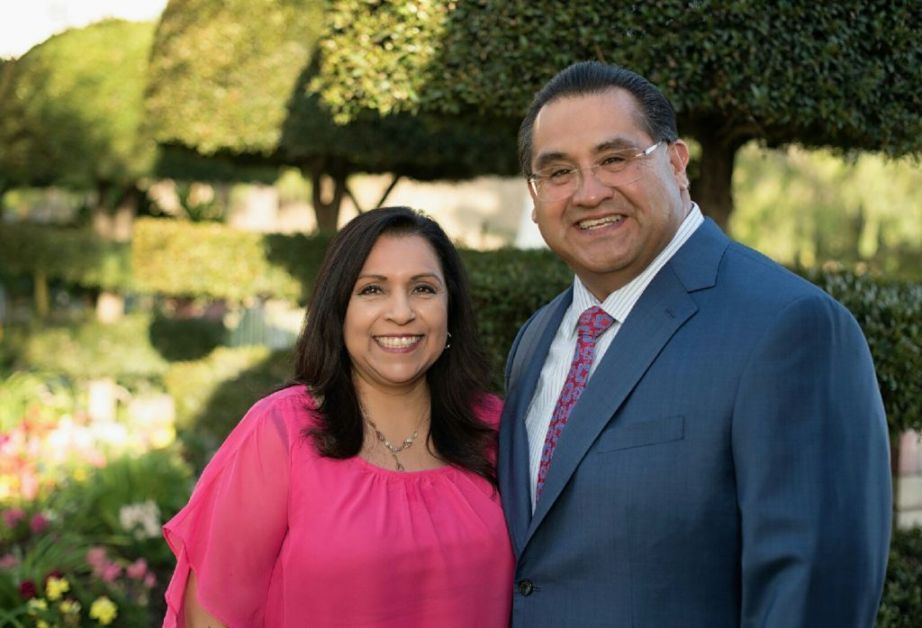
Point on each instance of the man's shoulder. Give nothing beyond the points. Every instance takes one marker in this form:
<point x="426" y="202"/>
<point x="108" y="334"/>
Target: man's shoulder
<point x="751" y="270"/>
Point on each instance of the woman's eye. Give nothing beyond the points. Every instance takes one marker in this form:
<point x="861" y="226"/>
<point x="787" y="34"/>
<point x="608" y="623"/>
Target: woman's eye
<point x="425" y="289"/>
<point x="370" y="290"/>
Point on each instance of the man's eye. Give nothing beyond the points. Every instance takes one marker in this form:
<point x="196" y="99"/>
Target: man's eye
<point x="614" y="161"/>
<point x="560" y="175"/>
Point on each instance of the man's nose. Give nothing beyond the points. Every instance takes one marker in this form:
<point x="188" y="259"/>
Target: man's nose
<point x="590" y="191"/>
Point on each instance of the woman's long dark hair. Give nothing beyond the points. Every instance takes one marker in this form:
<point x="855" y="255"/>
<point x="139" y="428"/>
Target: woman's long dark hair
<point x="457" y="380"/>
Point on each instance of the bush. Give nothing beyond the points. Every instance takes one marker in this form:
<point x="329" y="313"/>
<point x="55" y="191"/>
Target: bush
<point x="180" y="339"/>
<point x="214" y="393"/>
<point x="218" y="262"/>
<point x="901" y="606"/>
<point x="76" y="256"/>
<point x="890" y="314"/>
<point x="507" y="287"/>
<point x="124" y="503"/>
<point x="89" y="349"/>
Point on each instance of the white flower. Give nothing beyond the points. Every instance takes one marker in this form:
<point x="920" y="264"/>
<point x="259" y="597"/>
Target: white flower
<point x="141" y="519"/>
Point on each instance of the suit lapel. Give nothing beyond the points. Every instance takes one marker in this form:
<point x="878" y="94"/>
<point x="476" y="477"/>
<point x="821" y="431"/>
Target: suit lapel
<point x="662" y="309"/>
<point x="512" y="466"/>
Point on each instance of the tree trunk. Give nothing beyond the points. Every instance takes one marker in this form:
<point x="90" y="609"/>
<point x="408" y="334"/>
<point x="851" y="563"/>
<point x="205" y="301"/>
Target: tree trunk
<point x="387" y="191"/>
<point x="123" y="218"/>
<point x="102" y="221"/>
<point x="327" y="191"/>
<point x="712" y="187"/>
<point x="40" y="289"/>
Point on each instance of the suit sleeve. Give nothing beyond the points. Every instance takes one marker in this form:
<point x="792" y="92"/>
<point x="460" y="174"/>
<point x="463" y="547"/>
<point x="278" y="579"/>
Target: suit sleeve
<point x="811" y="453"/>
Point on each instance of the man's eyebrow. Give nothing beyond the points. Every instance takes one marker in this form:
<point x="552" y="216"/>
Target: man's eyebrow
<point x="615" y="143"/>
<point x="546" y="158"/>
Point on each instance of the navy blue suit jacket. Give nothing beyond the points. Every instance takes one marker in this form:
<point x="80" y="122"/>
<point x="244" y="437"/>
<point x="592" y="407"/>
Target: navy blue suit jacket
<point x="727" y="464"/>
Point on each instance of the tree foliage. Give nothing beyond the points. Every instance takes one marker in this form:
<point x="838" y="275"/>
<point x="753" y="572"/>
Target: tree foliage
<point x="71" y="111"/>
<point x="231" y="79"/>
<point x="843" y="75"/>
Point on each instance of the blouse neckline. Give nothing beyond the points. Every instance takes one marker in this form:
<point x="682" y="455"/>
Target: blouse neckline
<point x="406" y="475"/>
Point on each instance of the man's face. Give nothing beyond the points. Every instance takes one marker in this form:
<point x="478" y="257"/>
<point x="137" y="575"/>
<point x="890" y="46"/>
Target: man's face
<point x="607" y="234"/>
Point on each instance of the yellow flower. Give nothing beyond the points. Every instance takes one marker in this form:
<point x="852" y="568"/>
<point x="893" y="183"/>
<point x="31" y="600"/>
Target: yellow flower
<point x="41" y="623"/>
<point x="70" y="607"/>
<point x="80" y="474"/>
<point x="103" y="610"/>
<point x="56" y="587"/>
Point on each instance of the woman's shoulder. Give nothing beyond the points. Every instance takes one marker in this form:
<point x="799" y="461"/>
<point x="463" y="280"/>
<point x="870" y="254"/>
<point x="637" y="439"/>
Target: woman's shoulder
<point x="489" y="409"/>
<point x="292" y="407"/>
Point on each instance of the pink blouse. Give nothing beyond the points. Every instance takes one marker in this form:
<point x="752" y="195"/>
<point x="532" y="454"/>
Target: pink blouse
<point x="278" y="535"/>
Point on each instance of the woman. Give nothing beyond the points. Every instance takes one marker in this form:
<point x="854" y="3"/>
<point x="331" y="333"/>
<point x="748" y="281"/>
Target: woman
<point x="365" y="494"/>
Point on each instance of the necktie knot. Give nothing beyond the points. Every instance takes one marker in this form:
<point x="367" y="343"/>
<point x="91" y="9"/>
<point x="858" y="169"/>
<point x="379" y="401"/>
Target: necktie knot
<point x="592" y="322"/>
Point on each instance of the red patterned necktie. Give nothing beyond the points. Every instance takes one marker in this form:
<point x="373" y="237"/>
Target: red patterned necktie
<point x="592" y="323"/>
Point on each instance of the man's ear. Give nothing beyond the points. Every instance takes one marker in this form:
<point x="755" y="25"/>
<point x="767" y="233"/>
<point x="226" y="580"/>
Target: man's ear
<point x="534" y="204"/>
<point x="678" y="157"/>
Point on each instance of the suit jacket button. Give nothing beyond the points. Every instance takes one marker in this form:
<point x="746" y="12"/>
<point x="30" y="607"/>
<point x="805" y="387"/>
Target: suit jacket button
<point x="526" y="587"/>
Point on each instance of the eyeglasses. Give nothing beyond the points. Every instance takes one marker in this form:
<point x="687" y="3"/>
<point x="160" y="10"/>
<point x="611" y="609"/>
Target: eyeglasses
<point x="613" y="169"/>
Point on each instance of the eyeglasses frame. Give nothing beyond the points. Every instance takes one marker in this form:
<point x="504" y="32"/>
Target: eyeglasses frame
<point x="534" y="177"/>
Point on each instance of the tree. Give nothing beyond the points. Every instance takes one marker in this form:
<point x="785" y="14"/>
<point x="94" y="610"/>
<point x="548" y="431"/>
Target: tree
<point x="843" y="75"/>
<point x="71" y="115"/>
<point x="232" y="80"/>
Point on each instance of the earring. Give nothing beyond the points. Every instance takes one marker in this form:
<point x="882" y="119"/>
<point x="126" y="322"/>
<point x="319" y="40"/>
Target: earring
<point x="448" y="342"/>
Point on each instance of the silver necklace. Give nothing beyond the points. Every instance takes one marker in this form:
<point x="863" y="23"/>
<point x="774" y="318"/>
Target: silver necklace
<point x="394" y="450"/>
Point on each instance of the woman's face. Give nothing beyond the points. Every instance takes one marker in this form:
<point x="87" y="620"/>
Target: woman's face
<point x="396" y="322"/>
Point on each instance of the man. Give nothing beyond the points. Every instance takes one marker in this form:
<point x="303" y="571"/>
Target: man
<point x="727" y="462"/>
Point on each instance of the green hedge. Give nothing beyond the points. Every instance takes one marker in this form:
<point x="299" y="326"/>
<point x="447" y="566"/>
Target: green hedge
<point x="212" y="394"/>
<point x="890" y="314"/>
<point x="87" y="349"/>
<point x="216" y="261"/>
<point x="901" y="606"/>
<point x="76" y="256"/>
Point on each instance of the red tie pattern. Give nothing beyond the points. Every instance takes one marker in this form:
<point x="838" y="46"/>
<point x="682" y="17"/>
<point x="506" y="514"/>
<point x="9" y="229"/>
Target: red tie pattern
<point x="591" y="324"/>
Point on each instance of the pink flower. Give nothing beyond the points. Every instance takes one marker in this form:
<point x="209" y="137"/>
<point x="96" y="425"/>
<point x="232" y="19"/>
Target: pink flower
<point x="110" y="572"/>
<point x="8" y="561"/>
<point x="12" y="516"/>
<point x="137" y="570"/>
<point x="96" y="557"/>
<point x="38" y="524"/>
<point x="150" y="580"/>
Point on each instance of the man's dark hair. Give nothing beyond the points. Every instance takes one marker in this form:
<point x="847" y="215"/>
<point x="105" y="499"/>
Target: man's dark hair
<point x="457" y="380"/>
<point x="592" y="77"/>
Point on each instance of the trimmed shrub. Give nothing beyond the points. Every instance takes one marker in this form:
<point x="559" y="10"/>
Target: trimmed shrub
<point x="890" y="314"/>
<point x="508" y="285"/>
<point x="214" y="393"/>
<point x="179" y="339"/>
<point x="901" y="606"/>
<point x="88" y="350"/>
<point x="218" y="262"/>
<point x="76" y="256"/>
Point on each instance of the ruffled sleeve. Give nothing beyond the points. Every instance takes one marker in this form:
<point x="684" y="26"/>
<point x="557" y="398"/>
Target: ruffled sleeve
<point x="231" y="531"/>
